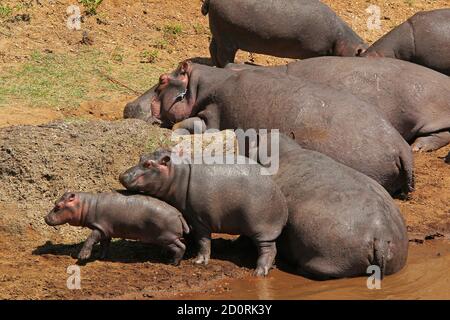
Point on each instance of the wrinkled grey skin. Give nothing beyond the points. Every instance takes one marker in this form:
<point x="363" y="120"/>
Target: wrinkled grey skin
<point x="416" y="100"/>
<point x="140" y="108"/>
<point x="340" y="221"/>
<point x="319" y="118"/>
<point x="423" y="39"/>
<point x="283" y="28"/>
<point x="232" y="199"/>
<point x="116" y="215"/>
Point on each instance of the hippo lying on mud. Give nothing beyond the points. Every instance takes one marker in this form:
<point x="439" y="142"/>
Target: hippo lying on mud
<point x="416" y="100"/>
<point x="318" y="117"/>
<point x="114" y="215"/>
<point x="221" y="198"/>
<point x="423" y="39"/>
<point x="340" y="221"/>
<point x="283" y="28"/>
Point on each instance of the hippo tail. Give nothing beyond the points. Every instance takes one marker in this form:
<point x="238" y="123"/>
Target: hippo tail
<point x="205" y="7"/>
<point x="407" y="172"/>
<point x="186" y="229"/>
<point x="381" y="253"/>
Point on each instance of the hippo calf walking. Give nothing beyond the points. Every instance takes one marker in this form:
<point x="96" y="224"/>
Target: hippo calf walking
<point x="340" y="221"/>
<point x="114" y="215"/>
<point x="221" y="198"/>
<point x="423" y="39"/>
<point x="283" y="28"/>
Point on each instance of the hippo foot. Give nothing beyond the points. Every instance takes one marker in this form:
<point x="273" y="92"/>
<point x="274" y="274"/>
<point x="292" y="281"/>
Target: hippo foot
<point x="84" y="255"/>
<point x="201" y="259"/>
<point x="432" y="142"/>
<point x="261" y="271"/>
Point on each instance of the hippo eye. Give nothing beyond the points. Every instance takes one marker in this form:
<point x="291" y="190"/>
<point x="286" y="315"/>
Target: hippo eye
<point x="181" y="95"/>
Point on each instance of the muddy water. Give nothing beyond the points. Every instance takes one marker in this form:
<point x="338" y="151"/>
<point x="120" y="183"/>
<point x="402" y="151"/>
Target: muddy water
<point x="426" y="276"/>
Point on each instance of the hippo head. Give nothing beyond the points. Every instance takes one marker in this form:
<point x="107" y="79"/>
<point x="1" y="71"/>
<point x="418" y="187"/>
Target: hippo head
<point x="66" y="210"/>
<point x="150" y="175"/>
<point x="174" y="100"/>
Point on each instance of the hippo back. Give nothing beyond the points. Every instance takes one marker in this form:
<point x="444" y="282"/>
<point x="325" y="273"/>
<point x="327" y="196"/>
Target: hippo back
<point x="336" y="215"/>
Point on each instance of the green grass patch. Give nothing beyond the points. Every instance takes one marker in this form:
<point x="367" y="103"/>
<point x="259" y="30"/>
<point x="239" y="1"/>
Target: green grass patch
<point x="90" y="6"/>
<point x="173" y="29"/>
<point x="66" y="80"/>
<point x="5" y="11"/>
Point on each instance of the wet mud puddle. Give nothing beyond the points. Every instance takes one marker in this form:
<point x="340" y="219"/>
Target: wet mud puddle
<point x="426" y="276"/>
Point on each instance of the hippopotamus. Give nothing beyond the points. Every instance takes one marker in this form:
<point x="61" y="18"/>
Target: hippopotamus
<point x="319" y="118"/>
<point x="140" y="108"/>
<point x="423" y="39"/>
<point x="120" y="215"/>
<point x="415" y="99"/>
<point x="340" y="221"/>
<point x="297" y="29"/>
<point x="221" y="198"/>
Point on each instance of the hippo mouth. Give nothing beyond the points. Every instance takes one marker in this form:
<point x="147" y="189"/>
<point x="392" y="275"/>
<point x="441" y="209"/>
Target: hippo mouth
<point x="132" y="183"/>
<point x="50" y="219"/>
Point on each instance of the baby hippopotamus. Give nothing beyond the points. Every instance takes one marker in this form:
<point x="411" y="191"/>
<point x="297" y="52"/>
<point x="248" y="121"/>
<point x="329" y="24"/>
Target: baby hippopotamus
<point x="116" y="215"/>
<point x="220" y="198"/>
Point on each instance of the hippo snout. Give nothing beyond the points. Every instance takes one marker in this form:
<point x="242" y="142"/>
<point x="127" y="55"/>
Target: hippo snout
<point x="126" y="179"/>
<point x="50" y="219"/>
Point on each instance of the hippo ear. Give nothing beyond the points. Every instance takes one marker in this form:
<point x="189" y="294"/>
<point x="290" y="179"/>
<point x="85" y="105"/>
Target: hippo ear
<point x="186" y="66"/>
<point x="164" y="160"/>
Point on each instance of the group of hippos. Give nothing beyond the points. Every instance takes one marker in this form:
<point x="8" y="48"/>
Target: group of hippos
<point x="349" y="115"/>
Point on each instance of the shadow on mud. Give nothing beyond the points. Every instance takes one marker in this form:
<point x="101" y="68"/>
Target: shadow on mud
<point x="126" y="251"/>
<point x="202" y="60"/>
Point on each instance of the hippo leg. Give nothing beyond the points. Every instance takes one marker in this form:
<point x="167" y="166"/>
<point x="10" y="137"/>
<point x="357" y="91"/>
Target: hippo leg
<point x="431" y="142"/>
<point x="104" y="243"/>
<point x="191" y="124"/>
<point x="207" y="119"/>
<point x="267" y="251"/>
<point x="177" y="248"/>
<point x="213" y="51"/>
<point x="204" y="244"/>
<point x="86" y="251"/>
<point x="224" y="53"/>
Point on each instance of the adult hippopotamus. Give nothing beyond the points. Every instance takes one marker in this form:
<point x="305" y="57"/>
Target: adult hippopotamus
<point x="415" y="99"/>
<point x="140" y="108"/>
<point x="283" y="28"/>
<point x="319" y="118"/>
<point x="340" y="221"/>
<point x="423" y="39"/>
<point x="116" y="215"/>
<point x="222" y="198"/>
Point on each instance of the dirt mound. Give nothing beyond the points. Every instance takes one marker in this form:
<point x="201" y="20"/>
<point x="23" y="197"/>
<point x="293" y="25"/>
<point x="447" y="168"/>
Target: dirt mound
<point x="39" y="163"/>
